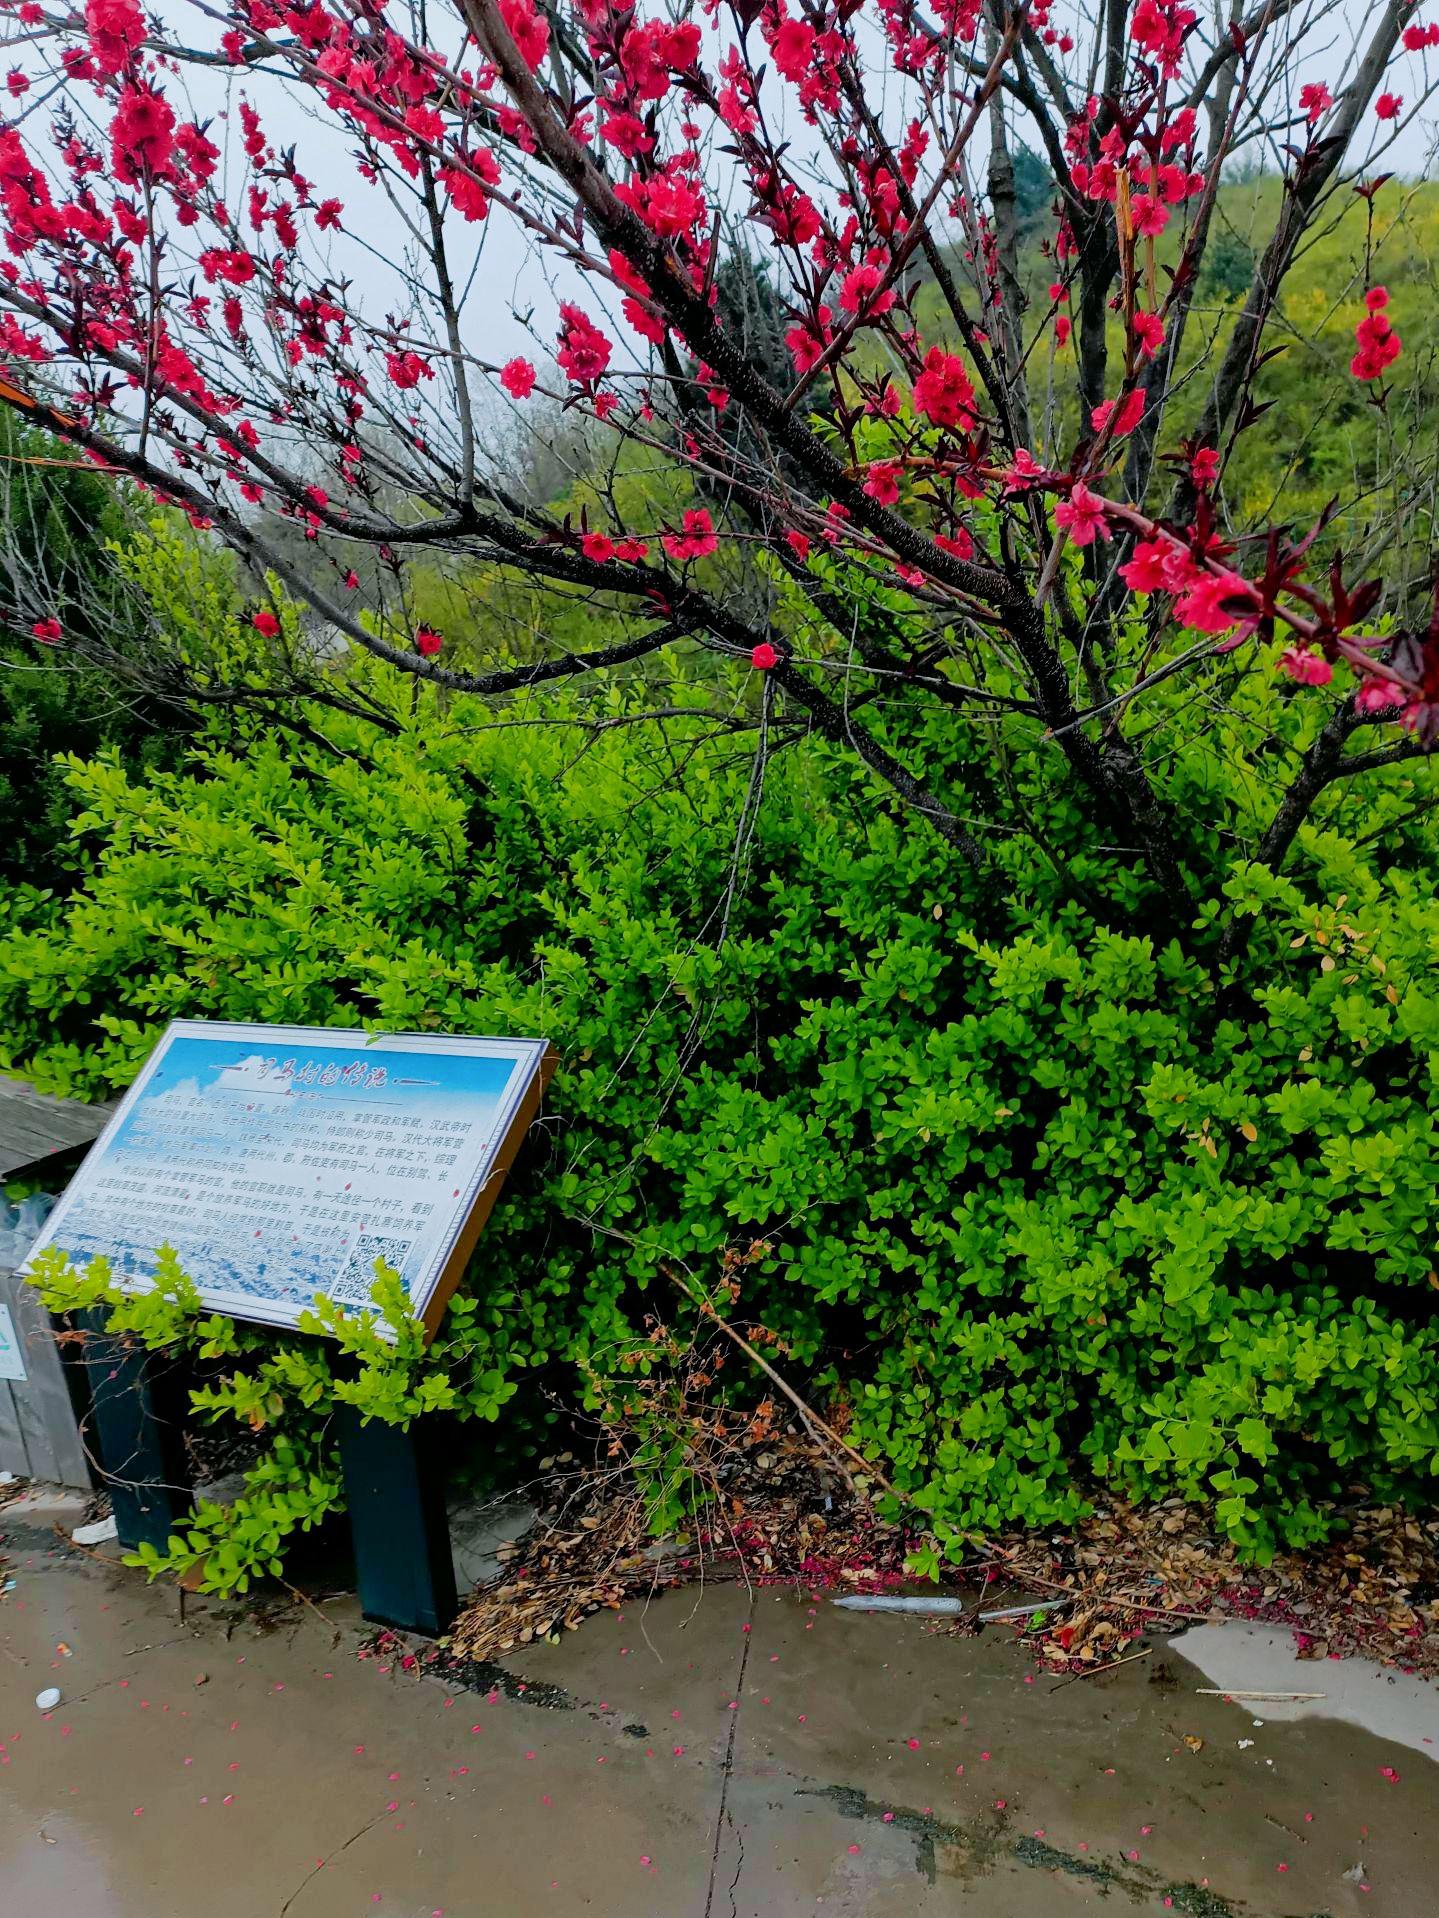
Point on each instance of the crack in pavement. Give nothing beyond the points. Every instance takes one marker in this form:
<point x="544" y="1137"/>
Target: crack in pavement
<point x="314" y="1870"/>
<point x="739" y="1866"/>
<point x="722" y="1814"/>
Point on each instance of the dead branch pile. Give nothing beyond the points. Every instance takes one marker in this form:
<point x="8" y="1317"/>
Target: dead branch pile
<point x="1134" y="1571"/>
<point x="770" y="1508"/>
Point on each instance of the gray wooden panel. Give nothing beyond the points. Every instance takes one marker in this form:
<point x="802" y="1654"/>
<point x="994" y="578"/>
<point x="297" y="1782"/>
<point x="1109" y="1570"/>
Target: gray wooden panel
<point x="33" y="1126"/>
<point x="13" y="1456"/>
<point x="38" y="1423"/>
<point x="30" y="1413"/>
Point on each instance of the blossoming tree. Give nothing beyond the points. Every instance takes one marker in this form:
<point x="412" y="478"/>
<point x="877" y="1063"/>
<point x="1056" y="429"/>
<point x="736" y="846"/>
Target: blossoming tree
<point x="897" y="503"/>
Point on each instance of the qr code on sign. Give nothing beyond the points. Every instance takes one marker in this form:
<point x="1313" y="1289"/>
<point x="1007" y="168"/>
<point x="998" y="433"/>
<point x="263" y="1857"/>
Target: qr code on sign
<point x="357" y="1277"/>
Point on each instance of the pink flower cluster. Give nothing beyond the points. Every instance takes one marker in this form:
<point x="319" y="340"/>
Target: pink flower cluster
<point x="1206" y="599"/>
<point x="697" y="538"/>
<point x="600" y="548"/>
<point x="529" y="29"/>
<point x="517" y="377"/>
<point x="944" y="393"/>
<point x="1120" y="416"/>
<point x="117" y="32"/>
<point x="1305" y="667"/>
<point x="1082" y="515"/>
<point x="1377" y="343"/>
<point x="584" y="352"/>
<point x="1160" y="28"/>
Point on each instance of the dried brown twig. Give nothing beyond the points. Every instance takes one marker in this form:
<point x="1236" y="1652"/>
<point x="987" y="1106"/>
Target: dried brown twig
<point x="826" y="1433"/>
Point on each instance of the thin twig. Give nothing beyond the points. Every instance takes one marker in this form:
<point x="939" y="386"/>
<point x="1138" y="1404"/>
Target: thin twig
<point x="1274" y="1698"/>
<point x="1162" y="1611"/>
<point x="72" y="1545"/>
<point x="810" y="1417"/>
<point x="1112" y="1667"/>
<point x="305" y="1599"/>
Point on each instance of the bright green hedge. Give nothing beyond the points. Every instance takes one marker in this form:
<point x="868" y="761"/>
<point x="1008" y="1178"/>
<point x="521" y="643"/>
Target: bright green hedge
<point x="1051" y="1200"/>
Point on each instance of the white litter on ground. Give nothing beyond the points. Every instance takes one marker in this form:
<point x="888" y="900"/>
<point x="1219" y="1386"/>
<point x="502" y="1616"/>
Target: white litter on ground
<point x="96" y="1534"/>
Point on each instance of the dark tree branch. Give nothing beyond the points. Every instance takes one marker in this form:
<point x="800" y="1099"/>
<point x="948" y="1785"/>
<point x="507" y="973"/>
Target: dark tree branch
<point x="691" y="314"/>
<point x="1396" y="755"/>
<point x="1322" y="764"/>
<point x="1315" y="172"/>
<point x="836" y="725"/>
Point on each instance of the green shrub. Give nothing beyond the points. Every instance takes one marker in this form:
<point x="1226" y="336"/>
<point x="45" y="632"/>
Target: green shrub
<point x="1051" y="1196"/>
<point x="58" y="526"/>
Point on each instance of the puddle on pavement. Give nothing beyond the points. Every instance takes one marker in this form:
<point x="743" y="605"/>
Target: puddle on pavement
<point x="1391" y="1704"/>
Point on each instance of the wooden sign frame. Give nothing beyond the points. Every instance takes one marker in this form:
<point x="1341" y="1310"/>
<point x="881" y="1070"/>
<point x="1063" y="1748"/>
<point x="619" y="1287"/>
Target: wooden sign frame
<point x="468" y="1236"/>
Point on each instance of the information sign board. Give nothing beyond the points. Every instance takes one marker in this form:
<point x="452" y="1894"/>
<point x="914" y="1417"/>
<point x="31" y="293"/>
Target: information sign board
<point x="281" y="1161"/>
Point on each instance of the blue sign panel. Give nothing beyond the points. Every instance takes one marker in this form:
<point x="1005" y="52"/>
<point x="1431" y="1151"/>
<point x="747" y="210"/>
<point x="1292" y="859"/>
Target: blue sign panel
<point x="279" y="1162"/>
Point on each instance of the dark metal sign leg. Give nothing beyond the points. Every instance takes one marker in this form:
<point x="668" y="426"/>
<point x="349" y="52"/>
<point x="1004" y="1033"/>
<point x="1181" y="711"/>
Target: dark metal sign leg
<point x="395" y="1490"/>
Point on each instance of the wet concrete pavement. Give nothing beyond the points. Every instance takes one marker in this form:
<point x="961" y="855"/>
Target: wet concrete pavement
<point x="714" y="1755"/>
